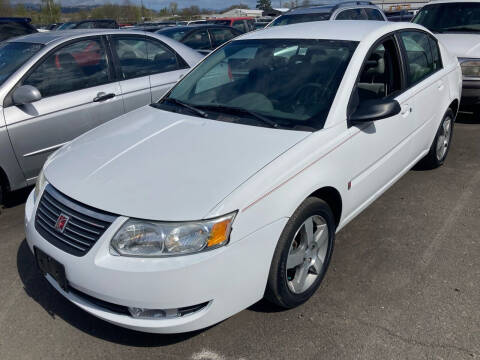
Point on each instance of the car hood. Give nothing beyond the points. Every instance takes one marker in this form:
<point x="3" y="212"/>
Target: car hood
<point x="461" y="45"/>
<point x="158" y="165"/>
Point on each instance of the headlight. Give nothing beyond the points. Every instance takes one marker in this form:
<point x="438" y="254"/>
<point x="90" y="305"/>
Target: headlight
<point x="157" y="239"/>
<point x="470" y="67"/>
<point x="40" y="184"/>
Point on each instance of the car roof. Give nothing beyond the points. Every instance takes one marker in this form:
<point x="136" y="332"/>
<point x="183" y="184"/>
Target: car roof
<point x="58" y="36"/>
<point x="232" y="18"/>
<point x="354" y="30"/>
<point x="327" y="7"/>
<point x="16" y="19"/>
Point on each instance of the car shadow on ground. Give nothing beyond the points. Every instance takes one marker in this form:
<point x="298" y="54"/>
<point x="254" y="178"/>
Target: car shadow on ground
<point x="40" y="290"/>
<point x="16" y="198"/>
<point x="467" y="118"/>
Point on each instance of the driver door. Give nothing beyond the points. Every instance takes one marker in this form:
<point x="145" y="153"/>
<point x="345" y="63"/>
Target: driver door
<point x="382" y="149"/>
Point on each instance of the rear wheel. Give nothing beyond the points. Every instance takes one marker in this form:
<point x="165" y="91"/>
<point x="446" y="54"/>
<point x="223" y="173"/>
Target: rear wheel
<point x="302" y="254"/>
<point x="441" y="144"/>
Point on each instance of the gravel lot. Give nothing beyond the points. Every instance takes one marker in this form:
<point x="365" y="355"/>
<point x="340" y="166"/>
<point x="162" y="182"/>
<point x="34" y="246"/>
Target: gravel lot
<point x="404" y="283"/>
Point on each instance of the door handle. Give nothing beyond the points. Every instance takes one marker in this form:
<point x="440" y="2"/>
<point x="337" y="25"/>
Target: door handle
<point x="101" y="96"/>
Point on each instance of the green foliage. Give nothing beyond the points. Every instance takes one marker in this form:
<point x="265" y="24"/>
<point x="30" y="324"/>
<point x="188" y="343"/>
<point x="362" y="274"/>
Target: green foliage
<point x="50" y="11"/>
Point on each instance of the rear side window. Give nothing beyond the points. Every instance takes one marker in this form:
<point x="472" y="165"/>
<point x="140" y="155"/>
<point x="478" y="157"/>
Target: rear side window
<point x="220" y="36"/>
<point x="77" y="66"/>
<point x="420" y="58"/>
<point x="374" y="14"/>
<point x="352" y="14"/>
<point x="141" y="57"/>
<point x="198" y="40"/>
<point x="240" y="25"/>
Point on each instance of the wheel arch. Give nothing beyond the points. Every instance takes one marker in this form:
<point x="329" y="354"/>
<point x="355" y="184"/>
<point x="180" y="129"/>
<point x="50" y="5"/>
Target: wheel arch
<point x="454" y="106"/>
<point x="333" y="198"/>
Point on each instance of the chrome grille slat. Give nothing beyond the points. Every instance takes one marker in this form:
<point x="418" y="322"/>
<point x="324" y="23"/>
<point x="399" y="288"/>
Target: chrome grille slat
<point x="84" y="227"/>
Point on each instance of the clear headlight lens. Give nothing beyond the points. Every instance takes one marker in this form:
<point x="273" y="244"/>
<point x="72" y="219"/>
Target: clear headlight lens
<point x="156" y="239"/>
<point x="470" y="68"/>
<point x="40" y="184"/>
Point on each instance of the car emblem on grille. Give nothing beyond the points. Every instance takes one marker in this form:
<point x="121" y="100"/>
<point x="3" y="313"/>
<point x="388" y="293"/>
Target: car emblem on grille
<point x="61" y="223"/>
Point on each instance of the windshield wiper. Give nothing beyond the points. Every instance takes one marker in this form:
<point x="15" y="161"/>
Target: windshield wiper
<point x="186" y="106"/>
<point x="237" y="110"/>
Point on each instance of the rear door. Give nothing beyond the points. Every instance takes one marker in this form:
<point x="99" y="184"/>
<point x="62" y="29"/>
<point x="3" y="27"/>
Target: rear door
<point x="425" y="78"/>
<point x="79" y="92"/>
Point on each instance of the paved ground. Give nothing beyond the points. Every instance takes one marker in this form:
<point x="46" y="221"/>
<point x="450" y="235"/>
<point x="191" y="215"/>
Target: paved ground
<point x="403" y="284"/>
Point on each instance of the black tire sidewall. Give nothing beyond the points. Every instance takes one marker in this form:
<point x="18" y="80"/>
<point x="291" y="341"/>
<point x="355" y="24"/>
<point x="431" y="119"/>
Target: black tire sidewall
<point x="277" y="288"/>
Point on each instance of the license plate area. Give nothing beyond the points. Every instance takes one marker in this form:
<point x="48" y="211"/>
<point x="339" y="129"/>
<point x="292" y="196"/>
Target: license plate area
<point x="52" y="267"/>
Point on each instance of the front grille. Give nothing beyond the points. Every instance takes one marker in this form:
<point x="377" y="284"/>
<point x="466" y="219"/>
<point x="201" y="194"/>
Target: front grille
<point x="84" y="227"/>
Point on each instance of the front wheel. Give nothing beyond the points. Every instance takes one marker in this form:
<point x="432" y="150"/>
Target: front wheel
<point x="441" y="143"/>
<point x="302" y="254"/>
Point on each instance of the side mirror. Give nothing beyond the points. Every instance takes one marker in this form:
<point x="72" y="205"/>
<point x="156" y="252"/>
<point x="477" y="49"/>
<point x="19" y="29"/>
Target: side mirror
<point x="26" y="94"/>
<point x="373" y="110"/>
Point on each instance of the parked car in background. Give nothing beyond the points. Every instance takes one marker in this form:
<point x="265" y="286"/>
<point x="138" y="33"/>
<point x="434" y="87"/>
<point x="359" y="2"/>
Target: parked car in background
<point x="11" y="27"/>
<point x="260" y="25"/>
<point x="150" y="28"/>
<point x="402" y="15"/>
<point x="347" y="10"/>
<point x="203" y="38"/>
<point x="457" y="25"/>
<point x="243" y="24"/>
<point x="178" y="215"/>
<point x="191" y="22"/>
<point x="89" y="24"/>
<point x="55" y="86"/>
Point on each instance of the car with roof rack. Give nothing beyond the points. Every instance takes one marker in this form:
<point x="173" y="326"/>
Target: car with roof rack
<point x="232" y="187"/>
<point x="56" y="85"/>
<point x="341" y="10"/>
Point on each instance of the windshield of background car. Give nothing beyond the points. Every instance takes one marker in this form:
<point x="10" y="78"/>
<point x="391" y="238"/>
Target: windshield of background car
<point x="174" y="33"/>
<point x="300" y="18"/>
<point x="13" y="55"/>
<point x="450" y="17"/>
<point x="289" y="81"/>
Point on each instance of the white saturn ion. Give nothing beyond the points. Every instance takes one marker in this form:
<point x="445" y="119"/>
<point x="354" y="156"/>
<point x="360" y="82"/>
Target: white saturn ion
<point x="231" y="188"/>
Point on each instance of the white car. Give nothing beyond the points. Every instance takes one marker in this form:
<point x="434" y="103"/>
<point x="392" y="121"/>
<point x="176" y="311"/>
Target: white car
<point x="178" y="215"/>
<point x="457" y="25"/>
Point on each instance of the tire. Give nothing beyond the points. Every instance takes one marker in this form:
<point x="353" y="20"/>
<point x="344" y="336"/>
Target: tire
<point x="284" y="286"/>
<point x="435" y="157"/>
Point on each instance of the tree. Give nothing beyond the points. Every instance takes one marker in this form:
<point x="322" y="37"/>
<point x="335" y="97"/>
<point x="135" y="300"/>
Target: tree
<point x="51" y="11"/>
<point x="5" y="8"/>
<point x="173" y="7"/>
<point x="264" y="5"/>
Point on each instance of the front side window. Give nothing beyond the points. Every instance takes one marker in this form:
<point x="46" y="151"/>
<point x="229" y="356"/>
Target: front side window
<point x="352" y="14"/>
<point x="77" y="66"/>
<point x="198" y="40"/>
<point x="381" y="74"/>
<point x="13" y="55"/>
<point x="300" y="18"/>
<point x="450" y="17"/>
<point x="141" y="57"/>
<point x="286" y="81"/>
<point x="420" y="63"/>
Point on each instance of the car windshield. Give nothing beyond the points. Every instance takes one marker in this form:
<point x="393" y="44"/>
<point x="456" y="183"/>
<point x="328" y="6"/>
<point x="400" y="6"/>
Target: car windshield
<point x="174" y="33"/>
<point x="300" y="18"/>
<point x="13" y="55"/>
<point x="286" y="83"/>
<point x="450" y="17"/>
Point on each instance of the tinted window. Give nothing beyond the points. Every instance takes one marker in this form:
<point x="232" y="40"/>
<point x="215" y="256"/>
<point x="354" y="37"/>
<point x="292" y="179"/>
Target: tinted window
<point x="12" y="29"/>
<point x="420" y="62"/>
<point x="86" y="25"/>
<point x="380" y="76"/>
<point x="373" y="14"/>
<point x="140" y="57"/>
<point x="221" y="36"/>
<point x="450" y="17"/>
<point x="352" y="14"/>
<point x="198" y="40"/>
<point x="437" y="60"/>
<point x="174" y="33"/>
<point x="80" y="65"/>
<point x="300" y="18"/>
<point x="13" y="55"/>
<point x="240" y="25"/>
<point x="289" y="80"/>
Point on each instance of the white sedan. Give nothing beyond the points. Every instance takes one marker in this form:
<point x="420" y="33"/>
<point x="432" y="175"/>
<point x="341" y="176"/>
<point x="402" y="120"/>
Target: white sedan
<point x="180" y="214"/>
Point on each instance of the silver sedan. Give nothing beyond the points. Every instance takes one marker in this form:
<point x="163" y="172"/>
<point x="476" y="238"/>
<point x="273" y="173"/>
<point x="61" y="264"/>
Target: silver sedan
<point x="55" y="86"/>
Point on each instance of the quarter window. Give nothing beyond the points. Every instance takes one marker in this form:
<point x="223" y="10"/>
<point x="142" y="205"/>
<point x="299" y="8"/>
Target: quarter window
<point x="140" y="57"/>
<point x="420" y="63"/>
<point x="80" y="65"/>
<point x="373" y="14"/>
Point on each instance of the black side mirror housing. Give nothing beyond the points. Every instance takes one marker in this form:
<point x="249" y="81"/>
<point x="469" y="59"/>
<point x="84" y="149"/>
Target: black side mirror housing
<point x="373" y="110"/>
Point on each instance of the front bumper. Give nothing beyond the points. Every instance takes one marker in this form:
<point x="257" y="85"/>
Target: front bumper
<point x="230" y="278"/>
